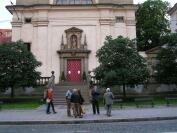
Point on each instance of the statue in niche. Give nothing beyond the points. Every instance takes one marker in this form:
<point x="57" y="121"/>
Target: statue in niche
<point x="73" y="41"/>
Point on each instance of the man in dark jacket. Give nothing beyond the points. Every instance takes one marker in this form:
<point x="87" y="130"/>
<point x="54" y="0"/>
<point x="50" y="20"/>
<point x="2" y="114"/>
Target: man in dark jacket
<point x="75" y="100"/>
<point x="95" y="100"/>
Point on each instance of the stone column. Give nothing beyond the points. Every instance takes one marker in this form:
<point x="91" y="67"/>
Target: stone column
<point x="16" y="30"/>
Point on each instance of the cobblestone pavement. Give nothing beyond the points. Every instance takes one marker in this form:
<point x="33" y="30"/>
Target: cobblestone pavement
<point x="128" y="113"/>
<point x="126" y="127"/>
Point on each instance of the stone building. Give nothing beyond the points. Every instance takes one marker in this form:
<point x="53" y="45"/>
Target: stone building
<point x="5" y="35"/>
<point x="65" y="34"/>
<point x="173" y="18"/>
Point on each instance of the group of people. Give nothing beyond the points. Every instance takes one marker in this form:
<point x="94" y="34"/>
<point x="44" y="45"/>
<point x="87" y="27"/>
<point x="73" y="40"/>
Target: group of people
<point x="74" y="101"/>
<point x="107" y="100"/>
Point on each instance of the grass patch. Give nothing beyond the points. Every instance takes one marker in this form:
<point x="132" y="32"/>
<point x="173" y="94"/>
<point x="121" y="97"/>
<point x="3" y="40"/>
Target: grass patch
<point x="158" y="101"/>
<point x="21" y="105"/>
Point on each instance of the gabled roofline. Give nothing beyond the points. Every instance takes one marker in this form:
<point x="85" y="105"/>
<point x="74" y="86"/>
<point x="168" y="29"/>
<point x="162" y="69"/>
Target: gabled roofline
<point x="173" y="9"/>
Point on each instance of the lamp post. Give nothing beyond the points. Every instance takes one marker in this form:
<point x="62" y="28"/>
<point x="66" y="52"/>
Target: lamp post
<point x="149" y="41"/>
<point x="176" y="60"/>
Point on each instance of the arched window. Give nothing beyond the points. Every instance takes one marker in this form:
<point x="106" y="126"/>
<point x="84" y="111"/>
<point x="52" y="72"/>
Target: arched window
<point x="68" y="2"/>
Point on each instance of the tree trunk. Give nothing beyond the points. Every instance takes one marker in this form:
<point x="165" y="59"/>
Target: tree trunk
<point x="124" y="92"/>
<point x="12" y="92"/>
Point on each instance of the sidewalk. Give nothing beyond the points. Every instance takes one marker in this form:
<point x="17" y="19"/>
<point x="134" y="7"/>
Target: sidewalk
<point x="39" y="116"/>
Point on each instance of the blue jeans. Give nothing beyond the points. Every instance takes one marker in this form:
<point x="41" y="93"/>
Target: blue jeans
<point x="48" y="107"/>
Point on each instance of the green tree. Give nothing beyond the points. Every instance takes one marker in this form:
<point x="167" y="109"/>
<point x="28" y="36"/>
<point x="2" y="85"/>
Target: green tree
<point x="17" y="66"/>
<point x="120" y="64"/>
<point x="167" y="60"/>
<point x="63" y="76"/>
<point x="84" y="76"/>
<point x="152" y="23"/>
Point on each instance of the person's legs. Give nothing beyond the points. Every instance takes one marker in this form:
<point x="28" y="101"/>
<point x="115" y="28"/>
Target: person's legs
<point x="109" y="110"/>
<point x="68" y="107"/>
<point x="107" y="107"/>
<point x="93" y="107"/>
<point x="75" y="109"/>
<point x="48" y="108"/>
<point x="97" y="107"/>
<point x="72" y="108"/>
<point x="53" y="107"/>
<point x="78" y="109"/>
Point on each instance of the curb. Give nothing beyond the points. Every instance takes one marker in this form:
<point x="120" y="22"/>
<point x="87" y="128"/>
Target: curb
<point x="86" y="121"/>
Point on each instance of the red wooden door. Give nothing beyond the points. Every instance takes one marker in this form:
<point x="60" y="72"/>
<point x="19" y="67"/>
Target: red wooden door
<point x="74" y="70"/>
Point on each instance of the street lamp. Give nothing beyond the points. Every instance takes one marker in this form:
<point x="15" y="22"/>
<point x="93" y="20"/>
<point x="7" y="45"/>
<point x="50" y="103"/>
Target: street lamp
<point x="155" y="72"/>
<point x="147" y="44"/>
<point x="149" y="41"/>
<point x="176" y="60"/>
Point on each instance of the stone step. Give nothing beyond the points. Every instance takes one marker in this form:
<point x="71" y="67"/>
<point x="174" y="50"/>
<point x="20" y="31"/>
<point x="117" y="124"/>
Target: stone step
<point x="61" y="89"/>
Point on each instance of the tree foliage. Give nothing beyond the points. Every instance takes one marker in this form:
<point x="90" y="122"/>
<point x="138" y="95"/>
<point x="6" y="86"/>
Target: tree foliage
<point x="152" y="23"/>
<point x="167" y="60"/>
<point x="17" y="66"/>
<point x="120" y="63"/>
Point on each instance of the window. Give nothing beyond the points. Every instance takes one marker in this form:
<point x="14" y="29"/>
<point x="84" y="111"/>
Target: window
<point x="87" y="1"/>
<point x="27" y="20"/>
<point x="28" y="46"/>
<point x="64" y="2"/>
<point x="119" y="19"/>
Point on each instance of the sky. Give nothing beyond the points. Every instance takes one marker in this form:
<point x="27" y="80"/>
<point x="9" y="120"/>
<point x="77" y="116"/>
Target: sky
<point x="6" y="17"/>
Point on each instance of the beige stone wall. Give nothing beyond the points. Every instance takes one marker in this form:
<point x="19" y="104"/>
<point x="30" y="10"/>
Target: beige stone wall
<point x="49" y="24"/>
<point x="116" y="1"/>
<point x="173" y="22"/>
<point x="31" y="2"/>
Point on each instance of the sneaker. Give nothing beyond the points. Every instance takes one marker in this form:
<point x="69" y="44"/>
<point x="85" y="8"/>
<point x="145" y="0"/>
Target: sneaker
<point x="48" y="112"/>
<point x="54" y="112"/>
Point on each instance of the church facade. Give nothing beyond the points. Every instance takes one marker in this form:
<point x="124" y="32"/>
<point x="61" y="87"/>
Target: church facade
<point x="65" y="34"/>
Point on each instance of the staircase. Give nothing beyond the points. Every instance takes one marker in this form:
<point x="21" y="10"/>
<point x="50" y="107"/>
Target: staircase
<point x="61" y="89"/>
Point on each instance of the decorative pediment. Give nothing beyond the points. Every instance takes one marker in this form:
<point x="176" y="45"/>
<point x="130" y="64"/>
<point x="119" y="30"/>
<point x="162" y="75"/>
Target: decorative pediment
<point x="73" y="29"/>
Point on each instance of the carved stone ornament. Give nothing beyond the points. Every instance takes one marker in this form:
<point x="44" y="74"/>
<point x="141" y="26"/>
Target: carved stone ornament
<point x="73" y="39"/>
<point x="75" y="44"/>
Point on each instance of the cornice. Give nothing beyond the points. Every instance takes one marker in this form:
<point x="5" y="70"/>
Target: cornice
<point x="40" y="23"/>
<point x="73" y="7"/>
<point x="16" y="23"/>
<point x="105" y="21"/>
<point x="130" y="22"/>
